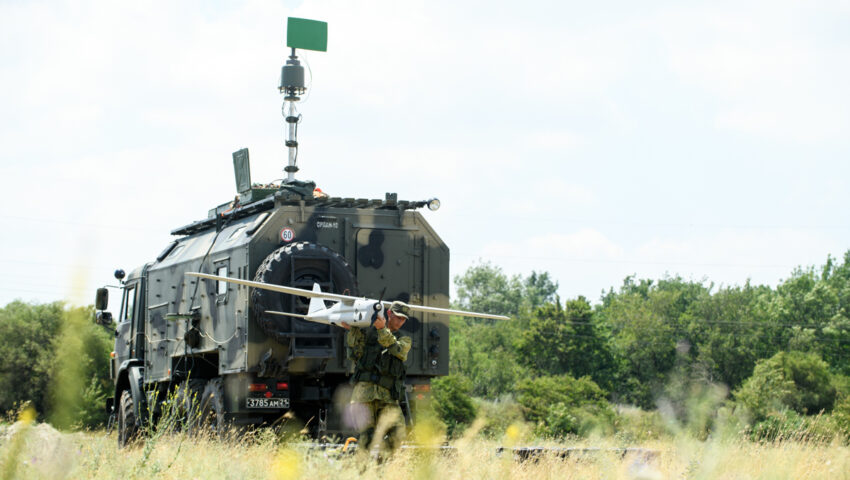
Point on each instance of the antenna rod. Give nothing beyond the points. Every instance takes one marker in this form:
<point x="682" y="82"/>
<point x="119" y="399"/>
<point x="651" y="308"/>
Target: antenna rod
<point x="292" y="84"/>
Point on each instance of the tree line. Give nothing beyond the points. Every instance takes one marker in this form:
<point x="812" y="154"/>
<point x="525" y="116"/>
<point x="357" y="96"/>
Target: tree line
<point x="775" y="357"/>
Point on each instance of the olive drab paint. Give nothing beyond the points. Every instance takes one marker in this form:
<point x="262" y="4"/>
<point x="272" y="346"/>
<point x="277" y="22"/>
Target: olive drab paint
<point x="181" y="327"/>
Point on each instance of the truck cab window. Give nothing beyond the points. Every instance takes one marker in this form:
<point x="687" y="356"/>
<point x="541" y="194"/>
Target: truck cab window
<point x="129" y="304"/>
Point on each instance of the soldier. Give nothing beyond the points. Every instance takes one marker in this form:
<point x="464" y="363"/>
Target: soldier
<point x="379" y="372"/>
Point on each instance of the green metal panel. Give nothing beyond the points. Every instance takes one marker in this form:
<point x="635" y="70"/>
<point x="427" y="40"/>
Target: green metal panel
<point x="242" y="170"/>
<point x="307" y="34"/>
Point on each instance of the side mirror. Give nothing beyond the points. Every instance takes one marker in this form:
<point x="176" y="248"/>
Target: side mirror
<point x="103" y="318"/>
<point x="102" y="299"/>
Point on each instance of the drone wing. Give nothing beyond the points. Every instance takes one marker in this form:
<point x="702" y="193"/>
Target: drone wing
<point x="448" y="311"/>
<point x="345" y="299"/>
<point x="286" y="314"/>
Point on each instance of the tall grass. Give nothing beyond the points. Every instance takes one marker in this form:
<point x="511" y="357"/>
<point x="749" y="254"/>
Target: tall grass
<point x="263" y="455"/>
<point x="174" y="449"/>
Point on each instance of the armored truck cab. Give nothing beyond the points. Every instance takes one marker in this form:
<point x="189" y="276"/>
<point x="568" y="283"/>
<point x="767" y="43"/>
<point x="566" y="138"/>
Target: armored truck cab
<point x="216" y="342"/>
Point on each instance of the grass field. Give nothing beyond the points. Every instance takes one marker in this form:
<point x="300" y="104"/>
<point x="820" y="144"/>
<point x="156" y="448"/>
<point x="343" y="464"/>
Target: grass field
<point x="32" y="451"/>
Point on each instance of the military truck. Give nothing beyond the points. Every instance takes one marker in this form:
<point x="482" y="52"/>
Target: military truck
<point x="180" y="337"/>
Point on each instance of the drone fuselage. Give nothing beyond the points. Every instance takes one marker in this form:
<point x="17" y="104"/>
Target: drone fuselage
<point x="360" y="313"/>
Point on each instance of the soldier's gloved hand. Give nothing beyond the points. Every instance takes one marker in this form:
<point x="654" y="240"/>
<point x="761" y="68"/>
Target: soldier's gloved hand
<point x="345" y="325"/>
<point x="379" y="322"/>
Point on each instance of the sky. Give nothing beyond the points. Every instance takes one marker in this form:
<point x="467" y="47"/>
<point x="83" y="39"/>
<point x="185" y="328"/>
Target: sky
<point x="590" y="140"/>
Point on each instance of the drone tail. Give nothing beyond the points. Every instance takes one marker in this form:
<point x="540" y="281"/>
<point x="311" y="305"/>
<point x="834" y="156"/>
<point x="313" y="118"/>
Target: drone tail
<point x="316" y="303"/>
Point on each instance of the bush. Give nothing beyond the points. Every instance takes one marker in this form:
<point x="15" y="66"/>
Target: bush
<point x="634" y="425"/>
<point x="790" y="425"/>
<point x="841" y="417"/>
<point x="498" y="415"/>
<point x="788" y="381"/>
<point x="562" y="405"/>
<point x="451" y="400"/>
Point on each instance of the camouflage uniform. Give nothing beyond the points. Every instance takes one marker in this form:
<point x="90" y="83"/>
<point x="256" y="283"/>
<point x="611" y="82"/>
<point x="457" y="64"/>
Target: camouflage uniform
<point x="378" y="393"/>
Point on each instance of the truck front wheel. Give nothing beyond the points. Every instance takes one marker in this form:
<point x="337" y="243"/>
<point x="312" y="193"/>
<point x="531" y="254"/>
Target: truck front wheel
<point x="127" y="427"/>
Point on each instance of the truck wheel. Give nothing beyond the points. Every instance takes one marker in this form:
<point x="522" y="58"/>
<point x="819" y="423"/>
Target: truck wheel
<point x="127" y="428"/>
<point x="298" y="265"/>
<point x="211" y="409"/>
<point x="188" y="401"/>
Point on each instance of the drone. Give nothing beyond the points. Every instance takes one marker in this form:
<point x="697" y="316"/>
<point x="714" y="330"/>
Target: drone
<point x="353" y="311"/>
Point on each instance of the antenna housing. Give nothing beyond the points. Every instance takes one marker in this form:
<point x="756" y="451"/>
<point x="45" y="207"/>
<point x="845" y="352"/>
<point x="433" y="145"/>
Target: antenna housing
<point x="307" y="35"/>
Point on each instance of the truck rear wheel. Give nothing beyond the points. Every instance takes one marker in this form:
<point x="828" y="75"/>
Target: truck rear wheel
<point x="212" y="415"/>
<point x="188" y="399"/>
<point x="298" y="265"/>
<point x="127" y="427"/>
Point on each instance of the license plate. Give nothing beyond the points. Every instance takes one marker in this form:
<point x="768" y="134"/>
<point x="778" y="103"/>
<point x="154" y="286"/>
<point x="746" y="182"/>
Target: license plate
<point x="267" y="403"/>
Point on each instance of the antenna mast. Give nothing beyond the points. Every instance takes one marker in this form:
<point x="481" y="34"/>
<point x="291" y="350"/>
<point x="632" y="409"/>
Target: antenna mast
<point x="292" y="85"/>
<point x="307" y="35"/>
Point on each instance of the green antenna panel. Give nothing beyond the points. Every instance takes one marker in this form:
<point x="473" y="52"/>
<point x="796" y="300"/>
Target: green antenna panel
<point x="307" y="34"/>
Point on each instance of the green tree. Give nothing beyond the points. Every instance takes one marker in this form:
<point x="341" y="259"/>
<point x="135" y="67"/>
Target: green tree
<point x="814" y="306"/>
<point x="730" y="331"/>
<point x="484" y="287"/>
<point x="483" y="352"/>
<point x="834" y="334"/>
<point x="80" y="375"/>
<point x="56" y="358"/>
<point x="452" y="402"/>
<point x="27" y="332"/>
<point x="557" y="340"/>
<point x="538" y="289"/>
<point x="648" y="324"/>
<point x="789" y="380"/>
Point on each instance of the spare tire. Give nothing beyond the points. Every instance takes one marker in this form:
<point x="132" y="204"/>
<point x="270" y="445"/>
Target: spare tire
<point x="298" y="265"/>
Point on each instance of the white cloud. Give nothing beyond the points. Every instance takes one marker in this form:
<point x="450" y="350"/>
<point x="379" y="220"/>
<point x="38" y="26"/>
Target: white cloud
<point x="772" y="74"/>
<point x="553" y="140"/>
<point x="583" y="245"/>
<point x="761" y="252"/>
<point x="550" y="199"/>
<point x="804" y="122"/>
